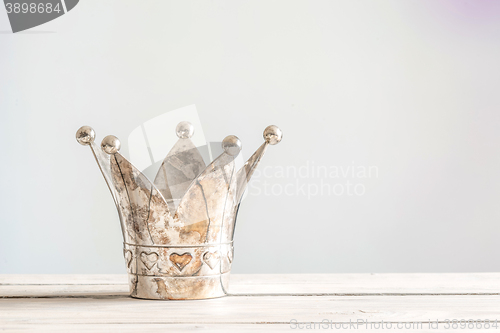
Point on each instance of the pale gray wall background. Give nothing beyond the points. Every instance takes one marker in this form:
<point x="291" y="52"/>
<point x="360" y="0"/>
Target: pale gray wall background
<point x="410" y="87"/>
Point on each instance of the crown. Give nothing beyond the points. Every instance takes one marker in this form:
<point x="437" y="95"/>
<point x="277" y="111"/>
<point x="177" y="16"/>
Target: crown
<point x="178" y="230"/>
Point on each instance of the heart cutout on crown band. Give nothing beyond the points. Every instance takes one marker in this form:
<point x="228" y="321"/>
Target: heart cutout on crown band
<point x="128" y="257"/>
<point x="149" y="259"/>
<point x="180" y="260"/>
<point x="211" y="258"/>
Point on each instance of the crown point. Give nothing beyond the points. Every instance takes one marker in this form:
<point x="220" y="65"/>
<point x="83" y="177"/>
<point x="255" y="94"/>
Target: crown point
<point x="85" y="135"/>
<point x="184" y="130"/>
<point x="110" y="144"/>
<point x="231" y="145"/>
<point x="273" y="134"/>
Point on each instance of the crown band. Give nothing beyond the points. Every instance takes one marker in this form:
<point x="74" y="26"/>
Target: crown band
<point x="175" y="261"/>
<point x="178" y="272"/>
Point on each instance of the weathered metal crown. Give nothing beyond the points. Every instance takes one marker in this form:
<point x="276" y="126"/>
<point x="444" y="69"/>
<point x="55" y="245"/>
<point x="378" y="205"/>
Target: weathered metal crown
<point x="178" y="230"/>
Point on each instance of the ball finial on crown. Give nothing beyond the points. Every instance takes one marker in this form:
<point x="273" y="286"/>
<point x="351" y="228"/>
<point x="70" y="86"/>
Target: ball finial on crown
<point x="273" y="134"/>
<point x="231" y="145"/>
<point x="110" y="144"/>
<point x="184" y="130"/>
<point x="85" y="135"/>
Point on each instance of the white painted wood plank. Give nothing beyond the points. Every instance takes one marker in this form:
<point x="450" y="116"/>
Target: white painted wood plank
<point x="415" y="283"/>
<point x="247" y="310"/>
<point x="15" y="279"/>
<point x="61" y="290"/>
<point x="258" y="284"/>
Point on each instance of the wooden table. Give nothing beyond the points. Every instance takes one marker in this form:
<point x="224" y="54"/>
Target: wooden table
<point x="99" y="303"/>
